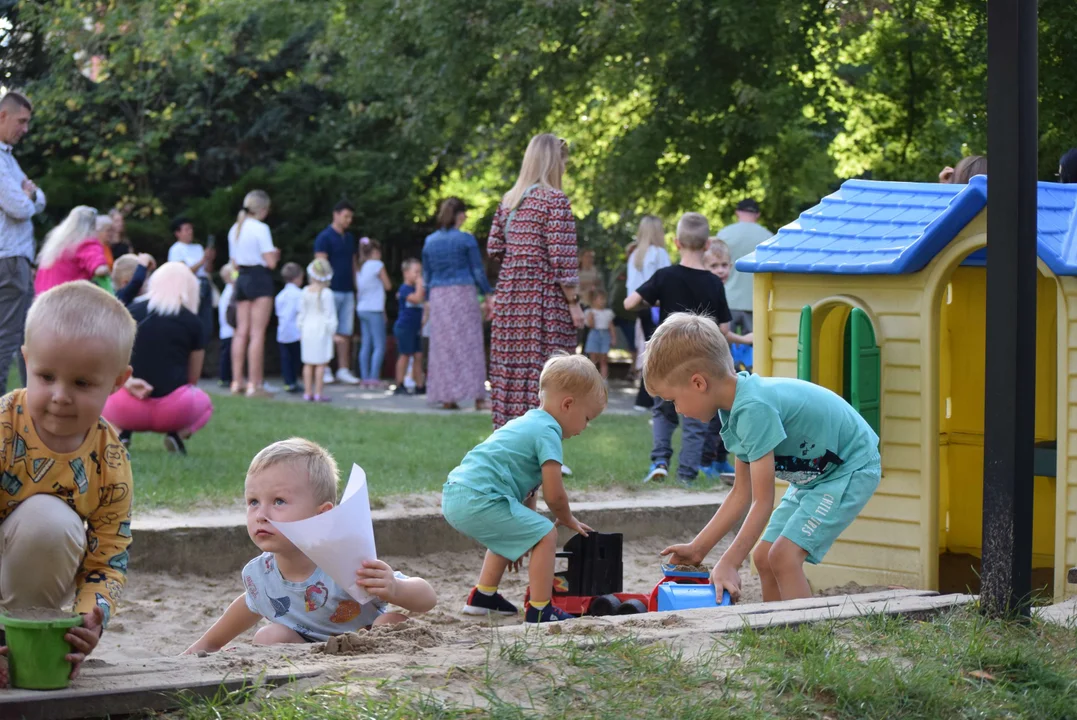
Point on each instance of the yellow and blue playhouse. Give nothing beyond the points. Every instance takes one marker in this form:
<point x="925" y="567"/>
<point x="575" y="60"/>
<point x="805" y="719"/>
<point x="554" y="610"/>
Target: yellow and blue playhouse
<point x="878" y="293"/>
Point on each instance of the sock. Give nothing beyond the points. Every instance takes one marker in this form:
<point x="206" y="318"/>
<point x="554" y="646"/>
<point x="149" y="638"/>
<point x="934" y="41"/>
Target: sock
<point x="539" y="605"/>
<point x="486" y="589"/>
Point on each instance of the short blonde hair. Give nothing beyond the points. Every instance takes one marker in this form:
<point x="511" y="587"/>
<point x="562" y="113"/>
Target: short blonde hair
<point x="315" y="461"/>
<point x="80" y="310"/>
<point x="685" y="344"/>
<point x="693" y="231"/>
<point x="228" y="273"/>
<point x="123" y="269"/>
<point x="572" y="374"/>
<point x="172" y="287"/>
<point x="718" y="249"/>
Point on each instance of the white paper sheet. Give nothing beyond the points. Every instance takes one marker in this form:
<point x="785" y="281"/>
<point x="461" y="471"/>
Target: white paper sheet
<point x="338" y="541"/>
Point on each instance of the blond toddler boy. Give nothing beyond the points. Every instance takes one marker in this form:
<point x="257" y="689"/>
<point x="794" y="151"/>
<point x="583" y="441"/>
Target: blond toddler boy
<point x="293" y="480"/>
<point x="491" y="496"/>
<point x="65" y="479"/>
<point x="804" y="432"/>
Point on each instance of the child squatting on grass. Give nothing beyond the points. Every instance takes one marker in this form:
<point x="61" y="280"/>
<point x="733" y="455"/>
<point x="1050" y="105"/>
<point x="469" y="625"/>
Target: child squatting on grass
<point x="491" y="497"/>
<point x="819" y="444"/>
<point x="65" y="479"/>
<point x="293" y="480"/>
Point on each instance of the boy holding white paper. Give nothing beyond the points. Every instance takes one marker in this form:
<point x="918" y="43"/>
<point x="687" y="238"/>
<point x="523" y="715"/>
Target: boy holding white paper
<point x="288" y="481"/>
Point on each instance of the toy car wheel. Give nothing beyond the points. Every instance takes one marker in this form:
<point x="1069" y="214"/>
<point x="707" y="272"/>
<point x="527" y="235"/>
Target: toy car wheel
<point x="631" y="607"/>
<point x="604" y="605"/>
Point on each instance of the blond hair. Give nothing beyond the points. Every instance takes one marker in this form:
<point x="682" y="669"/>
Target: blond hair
<point x="543" y="164"/>
<point x="718" y="249"/>
<point x="81" y="310"/>
<point x="685" y="344"/>
<point x="574" y="375"/>
<point x="123" y="269"/>
<point x="79" y="226"/>
<point x="315" y="461"/>
<point x="693" y="231"/>
<point x="172" y="287"/>
<point x="650" y="234"/>
<point x="228" y="273"/>
<point x="254" y="203"/>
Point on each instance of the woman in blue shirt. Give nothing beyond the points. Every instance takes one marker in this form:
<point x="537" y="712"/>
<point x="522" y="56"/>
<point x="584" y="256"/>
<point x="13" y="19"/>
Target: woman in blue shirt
<point x="454" y="275"/>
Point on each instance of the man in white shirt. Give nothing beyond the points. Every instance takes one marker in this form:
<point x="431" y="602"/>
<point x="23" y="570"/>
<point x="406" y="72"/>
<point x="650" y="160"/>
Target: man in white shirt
<point x="20" y="200"/>
<point x="200" y="260"/>
<point x="742" y="237"/>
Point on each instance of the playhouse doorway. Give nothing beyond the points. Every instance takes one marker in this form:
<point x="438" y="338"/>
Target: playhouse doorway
<point x="962" y="346"/>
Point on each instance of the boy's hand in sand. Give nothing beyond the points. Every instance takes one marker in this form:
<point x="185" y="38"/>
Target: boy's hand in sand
<point x="574" y="525"/>
<point x="727" y="577"/>
<point x="84" y="639"/>
<point x="685" y="554"/>
<point x="376" y="577"/>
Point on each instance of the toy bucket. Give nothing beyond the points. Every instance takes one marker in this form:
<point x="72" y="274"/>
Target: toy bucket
<point x="674" y="596"/>
<point x="37" y="651"/>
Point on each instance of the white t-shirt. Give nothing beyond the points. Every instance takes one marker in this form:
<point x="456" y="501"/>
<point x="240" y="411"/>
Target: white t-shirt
<point x="227" y="331"/>
<point x="247" y="250"/>
<point x="190" y="254"/>
<point x="601" y="318"/>
<point x="371" y="291"/>
<point x="286" y="305"/>
<point x="655" y="259"/>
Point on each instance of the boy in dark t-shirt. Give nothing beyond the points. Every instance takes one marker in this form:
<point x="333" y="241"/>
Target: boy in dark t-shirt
<point x="685" y="287"/>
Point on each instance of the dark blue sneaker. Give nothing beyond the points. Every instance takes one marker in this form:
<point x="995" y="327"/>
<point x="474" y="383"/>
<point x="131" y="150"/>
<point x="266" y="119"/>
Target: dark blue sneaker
<point x="482" y="604"/>
<point x="550" y="613"/>
<point x="657" y="473"/>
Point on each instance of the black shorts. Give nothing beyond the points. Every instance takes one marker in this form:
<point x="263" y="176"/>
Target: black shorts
<point x="254" y="282"/>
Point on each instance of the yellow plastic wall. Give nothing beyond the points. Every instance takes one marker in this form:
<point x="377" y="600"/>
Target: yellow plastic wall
<point x="828" y="347"/>
<point x="961" y="420"/>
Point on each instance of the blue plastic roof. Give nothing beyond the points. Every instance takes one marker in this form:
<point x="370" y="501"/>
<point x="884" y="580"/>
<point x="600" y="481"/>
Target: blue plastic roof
<point x="893" y="228"/>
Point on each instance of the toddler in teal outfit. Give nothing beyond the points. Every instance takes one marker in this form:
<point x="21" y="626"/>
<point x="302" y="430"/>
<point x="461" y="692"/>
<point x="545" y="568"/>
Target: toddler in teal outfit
<point x="775" y="427"/>
<point x="491" y="496"/>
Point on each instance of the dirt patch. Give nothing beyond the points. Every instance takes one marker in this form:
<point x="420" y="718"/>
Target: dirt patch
<point x="38" y="613"/>
<point x="852" y="588"/>
<point x="405" y="637"/>
<point x="701" y="568"/>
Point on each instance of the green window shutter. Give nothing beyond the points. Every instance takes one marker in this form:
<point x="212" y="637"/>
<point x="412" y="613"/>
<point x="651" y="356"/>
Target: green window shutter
<point x="865" y="369"/>
<point x="804" y="345"/>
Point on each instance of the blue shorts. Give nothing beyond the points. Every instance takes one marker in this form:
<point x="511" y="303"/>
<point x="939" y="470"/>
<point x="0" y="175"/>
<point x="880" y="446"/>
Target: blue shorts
<point x="345" y="304"/>
<point x="409" y="340"/>
<point x="502" y="524"/>
<point x="813" y="518"/>
<point x="598" y="342"/>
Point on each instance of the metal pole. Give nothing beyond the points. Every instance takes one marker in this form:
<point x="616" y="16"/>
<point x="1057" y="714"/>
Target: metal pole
<point x="1009" y="395"/>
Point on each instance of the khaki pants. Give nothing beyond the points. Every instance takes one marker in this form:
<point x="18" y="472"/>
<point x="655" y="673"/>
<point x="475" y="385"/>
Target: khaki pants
<point x="42" y="544"/>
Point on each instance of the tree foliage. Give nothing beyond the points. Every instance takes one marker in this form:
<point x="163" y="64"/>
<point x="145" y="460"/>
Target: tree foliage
<point x="669" y="105"/>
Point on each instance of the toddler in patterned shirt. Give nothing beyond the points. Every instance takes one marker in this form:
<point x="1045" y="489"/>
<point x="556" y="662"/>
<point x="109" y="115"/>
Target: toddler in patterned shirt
<point x="293" y="480"/>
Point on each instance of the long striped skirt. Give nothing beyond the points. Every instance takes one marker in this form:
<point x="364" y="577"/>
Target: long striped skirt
<point x="457" y="369"/>
<point x="531" y="323"/>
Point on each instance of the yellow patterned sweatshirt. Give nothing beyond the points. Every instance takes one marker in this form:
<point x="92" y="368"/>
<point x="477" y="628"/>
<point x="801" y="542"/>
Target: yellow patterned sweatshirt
<point x="95" y="481"/>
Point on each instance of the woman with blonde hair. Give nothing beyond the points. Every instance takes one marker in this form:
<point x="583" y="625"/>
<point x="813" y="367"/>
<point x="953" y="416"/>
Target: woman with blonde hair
<point x="251" y="251"/>
<point x="162" y="395"/>
<point x="648" y="257"/>
<point x="537" y="303"/>
<point x="71" y="252"/>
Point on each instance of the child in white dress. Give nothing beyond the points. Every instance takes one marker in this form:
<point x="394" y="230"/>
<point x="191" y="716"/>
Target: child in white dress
<point x="317" y="321"/>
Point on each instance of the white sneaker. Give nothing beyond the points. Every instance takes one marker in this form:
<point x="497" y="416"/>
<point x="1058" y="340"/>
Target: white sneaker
<point x="345" y="376"/>
<point x="328" y="378"/>
<point x="269" y="387"/>
<point x="566" y="470"/>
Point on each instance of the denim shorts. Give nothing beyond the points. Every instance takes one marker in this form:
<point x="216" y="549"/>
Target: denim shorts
<point x="345" y="305"/>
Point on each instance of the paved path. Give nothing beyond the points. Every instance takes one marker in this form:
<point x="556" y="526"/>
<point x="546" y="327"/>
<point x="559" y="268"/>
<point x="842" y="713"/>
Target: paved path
<point x="622" y="399"/>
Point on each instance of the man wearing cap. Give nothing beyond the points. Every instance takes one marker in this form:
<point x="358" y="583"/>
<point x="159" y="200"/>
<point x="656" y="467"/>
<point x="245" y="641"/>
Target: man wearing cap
<point x="742" y="237"/>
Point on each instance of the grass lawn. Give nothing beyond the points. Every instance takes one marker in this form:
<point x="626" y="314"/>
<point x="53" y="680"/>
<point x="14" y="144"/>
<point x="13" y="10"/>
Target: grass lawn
<point x="958" y="665"/>
<point x="400" y="453"/>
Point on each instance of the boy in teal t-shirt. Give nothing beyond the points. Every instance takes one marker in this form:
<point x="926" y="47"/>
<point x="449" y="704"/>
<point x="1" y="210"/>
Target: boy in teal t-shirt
<point x="491" y="496"/>
<point x="776" y="427"/>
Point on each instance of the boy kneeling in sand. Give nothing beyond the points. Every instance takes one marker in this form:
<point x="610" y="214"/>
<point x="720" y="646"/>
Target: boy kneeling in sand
<point x="293" y="480"/>
<point x="819" y="444"/>
<point x="65" y="479"/>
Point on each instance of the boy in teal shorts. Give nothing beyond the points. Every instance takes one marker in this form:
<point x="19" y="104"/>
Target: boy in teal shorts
<point x="783" y="427"/>
<point x="491" y="496"/>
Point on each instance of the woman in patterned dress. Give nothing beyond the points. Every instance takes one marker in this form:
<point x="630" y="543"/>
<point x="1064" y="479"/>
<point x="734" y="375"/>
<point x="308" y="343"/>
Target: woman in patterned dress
<point x="537" y="304"/>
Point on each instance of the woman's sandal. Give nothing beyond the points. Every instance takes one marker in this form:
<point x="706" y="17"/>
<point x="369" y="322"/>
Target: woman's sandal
<point x="450" y="406"/>
<point x="258" y="392"/>
<point x="237" y="388"/>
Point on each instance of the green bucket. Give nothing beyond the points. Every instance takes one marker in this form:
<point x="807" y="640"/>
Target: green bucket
<point x="37" y="651"/>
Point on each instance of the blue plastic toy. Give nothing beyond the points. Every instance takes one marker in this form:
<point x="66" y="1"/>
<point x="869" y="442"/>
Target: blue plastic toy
<point x="674" y="596"/>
